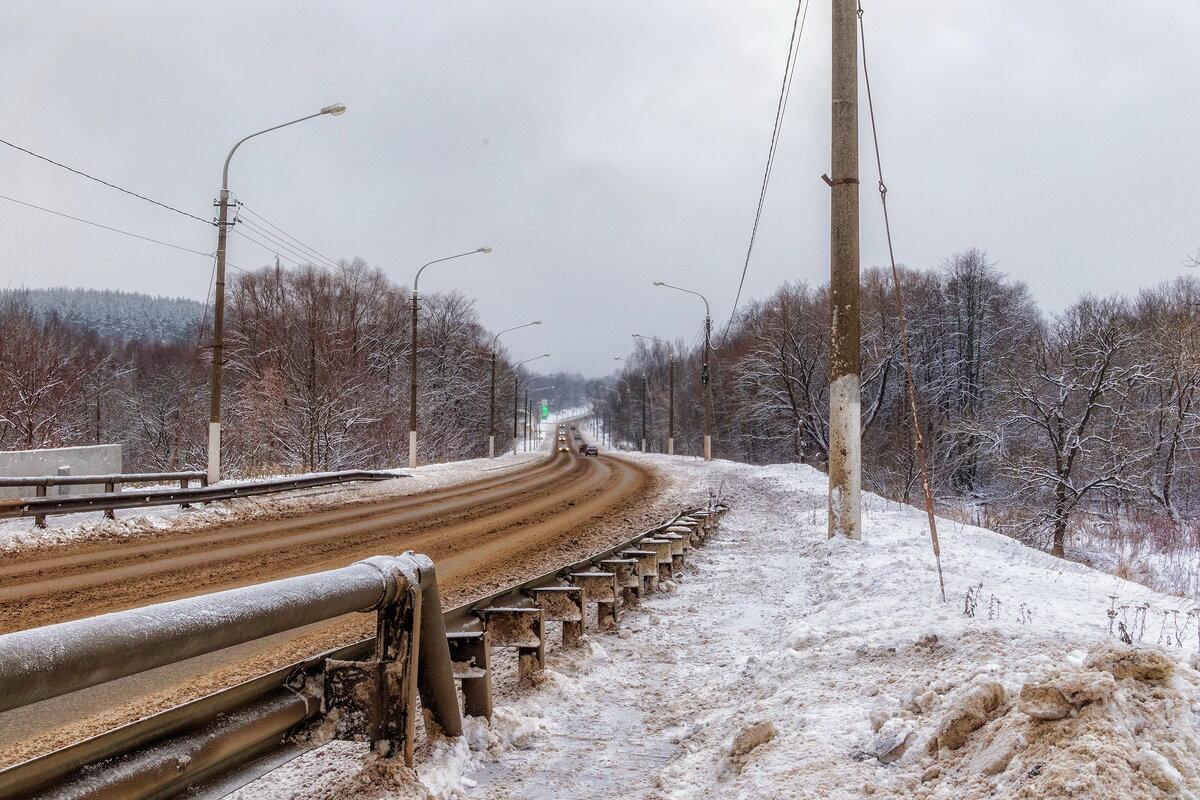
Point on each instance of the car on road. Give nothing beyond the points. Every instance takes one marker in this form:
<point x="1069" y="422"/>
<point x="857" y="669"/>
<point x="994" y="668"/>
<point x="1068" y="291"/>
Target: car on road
<point x="583" y="448"/>
<point x="591" y="450"/>
<point x="563" y="447"/>
<point x="578" y="437"/>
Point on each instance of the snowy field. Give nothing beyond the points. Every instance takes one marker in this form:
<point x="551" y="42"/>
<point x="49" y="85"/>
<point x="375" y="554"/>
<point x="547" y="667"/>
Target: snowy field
<point x="785" y="665"/>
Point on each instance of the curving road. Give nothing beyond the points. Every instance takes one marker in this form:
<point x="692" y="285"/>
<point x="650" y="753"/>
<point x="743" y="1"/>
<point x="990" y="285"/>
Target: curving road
<point x="481" y="535"/>
<point x="474" y="532"/>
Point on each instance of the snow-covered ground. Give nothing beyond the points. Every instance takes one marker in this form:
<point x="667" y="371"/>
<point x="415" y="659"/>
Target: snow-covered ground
<point x="786" y="665"/>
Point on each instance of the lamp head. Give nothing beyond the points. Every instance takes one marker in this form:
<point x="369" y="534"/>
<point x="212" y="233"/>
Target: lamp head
<point x="484" y="250"/>
<point x="658" y="283"/>
<point x="537" y="322"/>
<point x="336" y="110"/>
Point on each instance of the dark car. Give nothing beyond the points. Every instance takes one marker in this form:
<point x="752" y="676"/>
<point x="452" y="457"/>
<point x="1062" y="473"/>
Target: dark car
<point x="578" y="437"/>
<point x="591" y="450"/>
<point x="583" y="448"/>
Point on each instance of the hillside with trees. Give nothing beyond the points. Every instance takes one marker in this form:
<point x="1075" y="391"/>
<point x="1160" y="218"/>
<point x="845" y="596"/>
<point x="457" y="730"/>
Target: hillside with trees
<point x="316" y="378"/>
<point x="116" y="316"/>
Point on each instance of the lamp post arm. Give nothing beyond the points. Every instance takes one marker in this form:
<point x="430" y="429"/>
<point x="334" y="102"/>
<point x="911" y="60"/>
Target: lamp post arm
<point x="670" y="350"/>
<point x="228" y="158"/>
<point x="447" y="258"/>
<point x="506" y="330"/>
<point x="707" y="311"/>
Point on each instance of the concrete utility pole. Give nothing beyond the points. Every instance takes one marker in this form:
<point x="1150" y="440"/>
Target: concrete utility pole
<point x="705" y="372"/>
<point x="643" y="412"/>
<point x="845" y="400"/>
<point x="412" y="356"/>
<point x="492" y="402"/>
<point x="218" y="342"/>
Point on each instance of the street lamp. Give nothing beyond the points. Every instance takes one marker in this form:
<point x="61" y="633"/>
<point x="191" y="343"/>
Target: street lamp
<point x="412" y="356"/>
<point x="492" y="403"/>
<point x="218" y="344"/>
<point x="705" y="376"/>
<point x="529" y="413"/>
<point x="517" y="393"/>
<point x="670" y="391"/>
<point x="619" y="358"/>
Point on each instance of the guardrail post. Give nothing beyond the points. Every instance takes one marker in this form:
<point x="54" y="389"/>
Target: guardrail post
<point x="688" y="531"/>
<point x="109" y="488"/>
<point x="677" y="548"/>
<point x="647" y="567"/>
<point x="663" y="548"/>
<point x="599" y="588"/>
<point x="39" y="521"/>
<point x="524" y="629"/>
<point x="185" y="483"/>
<point x="562" y="604"/>
<point x="471" y="657"/>
<point x="628" y="582"/>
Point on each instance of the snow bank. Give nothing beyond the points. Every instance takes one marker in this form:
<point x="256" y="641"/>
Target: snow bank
<point x="786" y="665"/>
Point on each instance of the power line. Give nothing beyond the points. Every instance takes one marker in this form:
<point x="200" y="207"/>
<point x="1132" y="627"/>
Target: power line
<point x="785" y="91"/>
<point x="287" y="235"/>
<point x="273" y="250"/>
<point x="273" y="243"/>
<point x="918" y="438"/>
<point x="106" y="183"/>
<point x="266" y="234"/>
<point x="106" y="227"/>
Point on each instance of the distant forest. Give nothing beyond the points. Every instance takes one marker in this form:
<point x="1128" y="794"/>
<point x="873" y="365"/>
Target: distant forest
<point x="116" y="316"/>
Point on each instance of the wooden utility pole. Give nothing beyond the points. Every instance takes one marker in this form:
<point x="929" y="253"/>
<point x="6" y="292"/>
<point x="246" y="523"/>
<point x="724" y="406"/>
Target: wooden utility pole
<point x="845" y="403"/>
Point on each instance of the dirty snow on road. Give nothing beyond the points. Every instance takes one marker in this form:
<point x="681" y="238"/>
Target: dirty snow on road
<point x="21" y="535"/>
<point x="782" y="664"/>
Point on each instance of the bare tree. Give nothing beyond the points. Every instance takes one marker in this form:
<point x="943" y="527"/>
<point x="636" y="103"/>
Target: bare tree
<point x="1071" y="398"/>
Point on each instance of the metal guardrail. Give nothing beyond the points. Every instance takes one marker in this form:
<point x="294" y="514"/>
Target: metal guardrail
<point x="110" y="481"/>
<point x="248" y="727"/>
<point x="41" y="506"/>
<point x="107" y="480"/>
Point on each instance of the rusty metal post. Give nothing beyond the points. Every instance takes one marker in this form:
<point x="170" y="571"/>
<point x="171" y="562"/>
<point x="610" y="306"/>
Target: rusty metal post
<point x="599" y="588"/>
<point x="676" y="548"/>
<point x="377" y="699"/>
<point x="39" y="521"/>
<point x="109" y="488"/>
<point x="562" y="604"/>
<point x="627" y="580"/>
<point x="470" y="653"/>
<point x="524" y="629"/>
<point x="647" y="567"/>
<point x="663" y="549"/>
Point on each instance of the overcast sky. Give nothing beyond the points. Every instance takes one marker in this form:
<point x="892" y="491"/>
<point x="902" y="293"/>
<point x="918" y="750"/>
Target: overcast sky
<point x="597" y="146"/>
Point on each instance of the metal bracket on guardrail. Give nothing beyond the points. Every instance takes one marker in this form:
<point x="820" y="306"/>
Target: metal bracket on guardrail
<point x="375" y="700"/>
